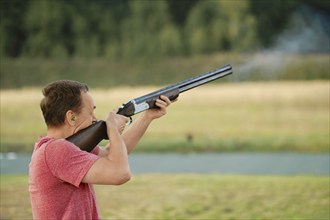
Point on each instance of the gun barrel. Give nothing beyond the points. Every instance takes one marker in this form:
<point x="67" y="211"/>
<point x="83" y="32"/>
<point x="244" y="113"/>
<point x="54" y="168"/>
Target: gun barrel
<point x="190" y="83"/>
<point x="205" y="78"/>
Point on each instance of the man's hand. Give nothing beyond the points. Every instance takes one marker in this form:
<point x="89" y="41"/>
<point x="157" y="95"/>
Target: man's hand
<point x="163" y="102"/>
<point x="139" y="127"/>
<point x="116" y="121"/>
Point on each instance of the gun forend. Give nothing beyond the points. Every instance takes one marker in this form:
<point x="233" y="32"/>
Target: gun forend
<point x="136" y="106"/>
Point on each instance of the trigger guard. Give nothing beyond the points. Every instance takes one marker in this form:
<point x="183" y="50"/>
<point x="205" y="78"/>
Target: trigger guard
<point x="130" y="121"/>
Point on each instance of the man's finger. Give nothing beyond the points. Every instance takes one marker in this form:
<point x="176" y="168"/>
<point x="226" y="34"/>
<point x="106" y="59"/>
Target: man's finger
<point x="165" y="99"/>
<point x="161" y="103"/>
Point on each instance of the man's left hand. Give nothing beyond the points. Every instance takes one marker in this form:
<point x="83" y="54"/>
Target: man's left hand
<point x="163" y="102"/>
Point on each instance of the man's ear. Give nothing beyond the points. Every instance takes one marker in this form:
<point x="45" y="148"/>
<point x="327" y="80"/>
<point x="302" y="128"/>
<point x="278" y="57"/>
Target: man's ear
<point x="70" y="118"/>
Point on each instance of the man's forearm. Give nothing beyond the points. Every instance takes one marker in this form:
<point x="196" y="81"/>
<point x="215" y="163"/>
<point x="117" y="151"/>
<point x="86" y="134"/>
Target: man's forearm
<point x="113" y="168"/>
<point x="136" y="131"/>
<point x="118" y="150"/>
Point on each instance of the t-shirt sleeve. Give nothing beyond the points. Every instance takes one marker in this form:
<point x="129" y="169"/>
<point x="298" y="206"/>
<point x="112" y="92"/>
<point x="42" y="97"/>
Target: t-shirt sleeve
<point x="67" y="162"/>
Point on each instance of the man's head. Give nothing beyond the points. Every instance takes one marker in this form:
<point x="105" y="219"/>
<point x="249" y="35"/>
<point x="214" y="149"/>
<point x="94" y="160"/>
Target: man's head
<point x="61" y="98"/>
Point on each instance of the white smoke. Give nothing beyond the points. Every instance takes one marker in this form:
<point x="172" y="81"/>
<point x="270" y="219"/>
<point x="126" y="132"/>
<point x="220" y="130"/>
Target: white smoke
<point x="308" y="32"/>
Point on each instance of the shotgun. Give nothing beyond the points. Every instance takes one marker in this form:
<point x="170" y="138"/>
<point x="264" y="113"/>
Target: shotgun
<point x="87" y="138"/>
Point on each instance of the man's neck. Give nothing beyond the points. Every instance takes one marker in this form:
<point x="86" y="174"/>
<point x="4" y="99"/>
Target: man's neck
<point x="58" y="133"/>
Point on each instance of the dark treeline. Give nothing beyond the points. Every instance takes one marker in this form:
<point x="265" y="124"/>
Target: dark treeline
<point x="126" y="29"/>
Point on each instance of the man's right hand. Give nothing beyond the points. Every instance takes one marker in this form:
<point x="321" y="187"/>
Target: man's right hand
<point x="116" y="121"/>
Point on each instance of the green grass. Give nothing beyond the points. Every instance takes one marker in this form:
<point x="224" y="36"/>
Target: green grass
<point x="104" y="73"/>
<point x="261" y="116"/>
<point x="193" y="196"/>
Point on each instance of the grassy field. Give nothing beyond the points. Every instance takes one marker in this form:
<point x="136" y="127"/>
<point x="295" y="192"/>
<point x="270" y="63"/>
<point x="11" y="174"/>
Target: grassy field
<point x="193" y="196"/>
<point x="105" y="73"/>
<point x="261" y="116"/>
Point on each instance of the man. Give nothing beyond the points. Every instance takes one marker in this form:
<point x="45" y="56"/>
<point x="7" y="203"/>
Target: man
<point x="61" y="175"/>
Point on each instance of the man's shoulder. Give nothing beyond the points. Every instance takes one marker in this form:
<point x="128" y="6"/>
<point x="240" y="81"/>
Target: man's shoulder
<point x="61" y="146"/>
<point x="50" y="147"/>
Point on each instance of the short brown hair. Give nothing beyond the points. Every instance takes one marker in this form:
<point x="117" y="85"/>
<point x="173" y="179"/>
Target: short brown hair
<point x="60" y="97"/>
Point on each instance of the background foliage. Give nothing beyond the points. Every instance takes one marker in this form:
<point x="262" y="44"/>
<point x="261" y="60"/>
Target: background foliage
<point x="127" y="29"/>
<point x="145" y="42"/>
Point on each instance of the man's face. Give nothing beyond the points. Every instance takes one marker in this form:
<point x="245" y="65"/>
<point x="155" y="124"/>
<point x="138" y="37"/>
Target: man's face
<point x="86" y="116"/>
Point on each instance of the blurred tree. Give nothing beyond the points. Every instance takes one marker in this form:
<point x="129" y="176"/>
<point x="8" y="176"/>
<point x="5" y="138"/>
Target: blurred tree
<point x="240" y="25"/>
<point x="272" y="17"/>
<point x="48" y="27"/>
<point x="219" y="26"/>
<point x="198" y="27"/>
<point x="170" y="41"/>
<point x="87" y="19"/>
<point x="141" y="29"/>
<point x="126" y="28"/>
<point x="12" y="32"/>
<point x="179" y="10"/>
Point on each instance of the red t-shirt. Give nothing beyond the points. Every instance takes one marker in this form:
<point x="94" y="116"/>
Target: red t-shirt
<point x="56" y="191"/>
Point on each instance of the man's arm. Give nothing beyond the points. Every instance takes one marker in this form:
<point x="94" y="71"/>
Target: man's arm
<point x="135" y="132"/>
<point x="113" y="168"/>
<point x="133" y="135"/>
